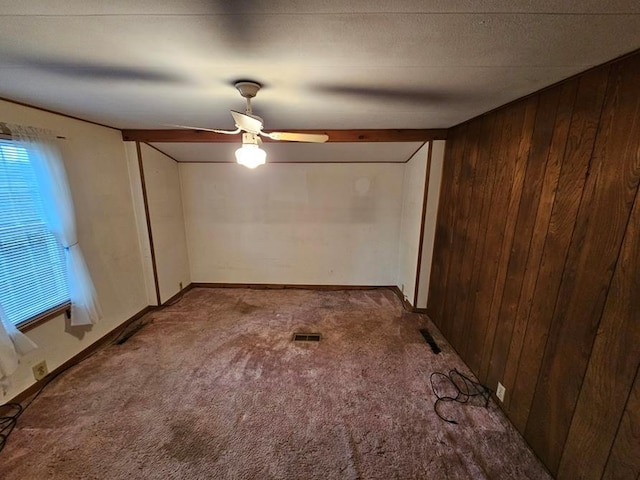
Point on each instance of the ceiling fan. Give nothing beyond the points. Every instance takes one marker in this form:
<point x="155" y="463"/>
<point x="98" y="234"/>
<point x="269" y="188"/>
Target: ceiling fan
<point x="250" y="154"/>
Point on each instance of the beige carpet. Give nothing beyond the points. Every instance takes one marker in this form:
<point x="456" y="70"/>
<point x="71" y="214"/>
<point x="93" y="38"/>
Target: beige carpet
<point x="215" y="388"/>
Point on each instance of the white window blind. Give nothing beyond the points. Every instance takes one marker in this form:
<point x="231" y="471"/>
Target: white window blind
<point x="32" y="264"/>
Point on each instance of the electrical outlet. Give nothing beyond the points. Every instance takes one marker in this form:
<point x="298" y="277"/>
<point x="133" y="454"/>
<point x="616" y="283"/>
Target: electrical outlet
<point x="500" y="392"/>
<point x="40" y="370"/>
<point x="180" y="285"/>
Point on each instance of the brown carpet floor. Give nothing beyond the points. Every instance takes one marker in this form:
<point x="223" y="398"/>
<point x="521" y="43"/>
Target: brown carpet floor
<point x="215" y="388"/>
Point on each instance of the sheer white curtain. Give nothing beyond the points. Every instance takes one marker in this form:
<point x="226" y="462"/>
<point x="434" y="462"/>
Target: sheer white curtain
<point x="60" y="218"/>
<point x="13" y="344"/>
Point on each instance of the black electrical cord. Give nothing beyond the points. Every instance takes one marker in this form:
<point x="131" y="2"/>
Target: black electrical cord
<point x="10" y="420"/>
<point x="465" y="389"/>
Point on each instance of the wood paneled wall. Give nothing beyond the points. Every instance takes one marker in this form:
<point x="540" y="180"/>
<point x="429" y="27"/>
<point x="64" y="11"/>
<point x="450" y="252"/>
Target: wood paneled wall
<point x="536" y="269"/>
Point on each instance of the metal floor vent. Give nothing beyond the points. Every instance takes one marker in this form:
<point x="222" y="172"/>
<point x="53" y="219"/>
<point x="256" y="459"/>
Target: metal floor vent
<point x="306" y="337"/>
<point x="130" y="331"/>
<point x="429" y="339"/>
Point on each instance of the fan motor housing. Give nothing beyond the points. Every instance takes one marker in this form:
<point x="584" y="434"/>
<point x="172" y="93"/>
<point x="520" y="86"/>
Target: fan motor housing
<point x="248" y="89"/>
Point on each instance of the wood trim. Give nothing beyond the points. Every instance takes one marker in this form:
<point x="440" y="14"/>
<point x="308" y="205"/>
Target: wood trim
<point x="233" y="162"/>
<point x="160" y="151"/>
<point x="406" y="304"/>
<point x="148" y="221"/>
<point x="287" y="286"/>
<point x="8" y="136"/>
<point x="280" y="286"/>
<point x="22" y="396"/>
<point x="33" y="389"/>
<point x="178" y="295"/>
<point x="398" y="293"/>
<point x="413" y="154"/>
<point x="42" y="109"/>
<point x="341" y="136"/>
<point x="44" y="317"/>
<point x="422" y="222"/>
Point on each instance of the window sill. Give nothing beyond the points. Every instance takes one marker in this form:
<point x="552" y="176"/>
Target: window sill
<point x="44" y="317"/>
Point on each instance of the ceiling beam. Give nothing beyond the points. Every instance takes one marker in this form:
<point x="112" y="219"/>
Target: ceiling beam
<point x="203" y="136"/>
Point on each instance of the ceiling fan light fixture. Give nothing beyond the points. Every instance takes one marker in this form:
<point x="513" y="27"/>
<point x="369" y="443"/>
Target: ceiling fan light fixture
<point x="251" y="155"/>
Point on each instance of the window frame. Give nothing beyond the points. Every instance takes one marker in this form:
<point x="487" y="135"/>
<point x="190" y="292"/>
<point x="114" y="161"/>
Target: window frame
<point x="50" y="313"/>
<point x="45" y="316"/>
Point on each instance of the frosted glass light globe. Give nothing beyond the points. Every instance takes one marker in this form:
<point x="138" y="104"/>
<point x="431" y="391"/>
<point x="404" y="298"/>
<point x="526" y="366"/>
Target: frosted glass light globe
<point x="251" y="156"/>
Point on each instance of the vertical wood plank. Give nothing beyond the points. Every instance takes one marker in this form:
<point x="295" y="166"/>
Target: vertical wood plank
<point x="460" y="241"/>
<point x="613" y="361"/>
<point x="475" y="333"/>
<point x="495" y="231"/>
<point x="512" y="207"/>
<point x="481" y="183"/>
<point x="595" y="246"/>
<point x="451" y="217"/>
<point x="542" y="278"/>
<point x="487" y="260"/>
<point x="444" y="228"/>
<point x="543" y="269"/>
<point x="533" y="220"/>
<point x="624" y="460"/>
<point x="526" y="135"/>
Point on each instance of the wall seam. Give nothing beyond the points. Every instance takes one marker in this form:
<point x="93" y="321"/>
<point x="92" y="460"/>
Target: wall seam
<point x="148" y="219"/>
<point x="425" y="195"/>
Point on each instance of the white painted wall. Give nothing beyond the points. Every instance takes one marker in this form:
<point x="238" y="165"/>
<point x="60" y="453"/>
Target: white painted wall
<point x="409" y="237"/>
<point x="164" y="197"/>
<point x="334" y="224"/>
<point x="96" y="165"/>
<point x="141" y="221"/>
<point x="433" y="197"/>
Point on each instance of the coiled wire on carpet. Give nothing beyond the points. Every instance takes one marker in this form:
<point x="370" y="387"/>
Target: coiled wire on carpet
<point x="465" y="389"/>
<point x="9" y="420"/>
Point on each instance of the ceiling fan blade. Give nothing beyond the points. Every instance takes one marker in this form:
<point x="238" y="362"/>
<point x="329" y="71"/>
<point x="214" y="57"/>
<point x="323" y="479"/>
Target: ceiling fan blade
<point x="408" y="96"/>
<point x="248" y="123"/>
<point x="226" y="132"/>
<point x="298" y="137"/>
<point x="98" y="71"/>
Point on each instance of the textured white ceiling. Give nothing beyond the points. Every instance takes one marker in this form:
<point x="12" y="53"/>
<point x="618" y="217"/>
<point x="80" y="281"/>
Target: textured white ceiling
<point x="324" y="65"/>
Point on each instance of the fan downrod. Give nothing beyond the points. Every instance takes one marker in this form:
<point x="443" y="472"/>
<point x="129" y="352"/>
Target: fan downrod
<point x="248" y="89"/>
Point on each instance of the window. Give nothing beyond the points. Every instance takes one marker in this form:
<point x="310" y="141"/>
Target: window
<point x="33" y="275"/>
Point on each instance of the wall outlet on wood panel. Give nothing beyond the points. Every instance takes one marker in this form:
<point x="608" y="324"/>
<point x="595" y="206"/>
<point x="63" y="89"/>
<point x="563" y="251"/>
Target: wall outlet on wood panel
<point x="500" y="392"/>
<point x="40" y="370"/>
